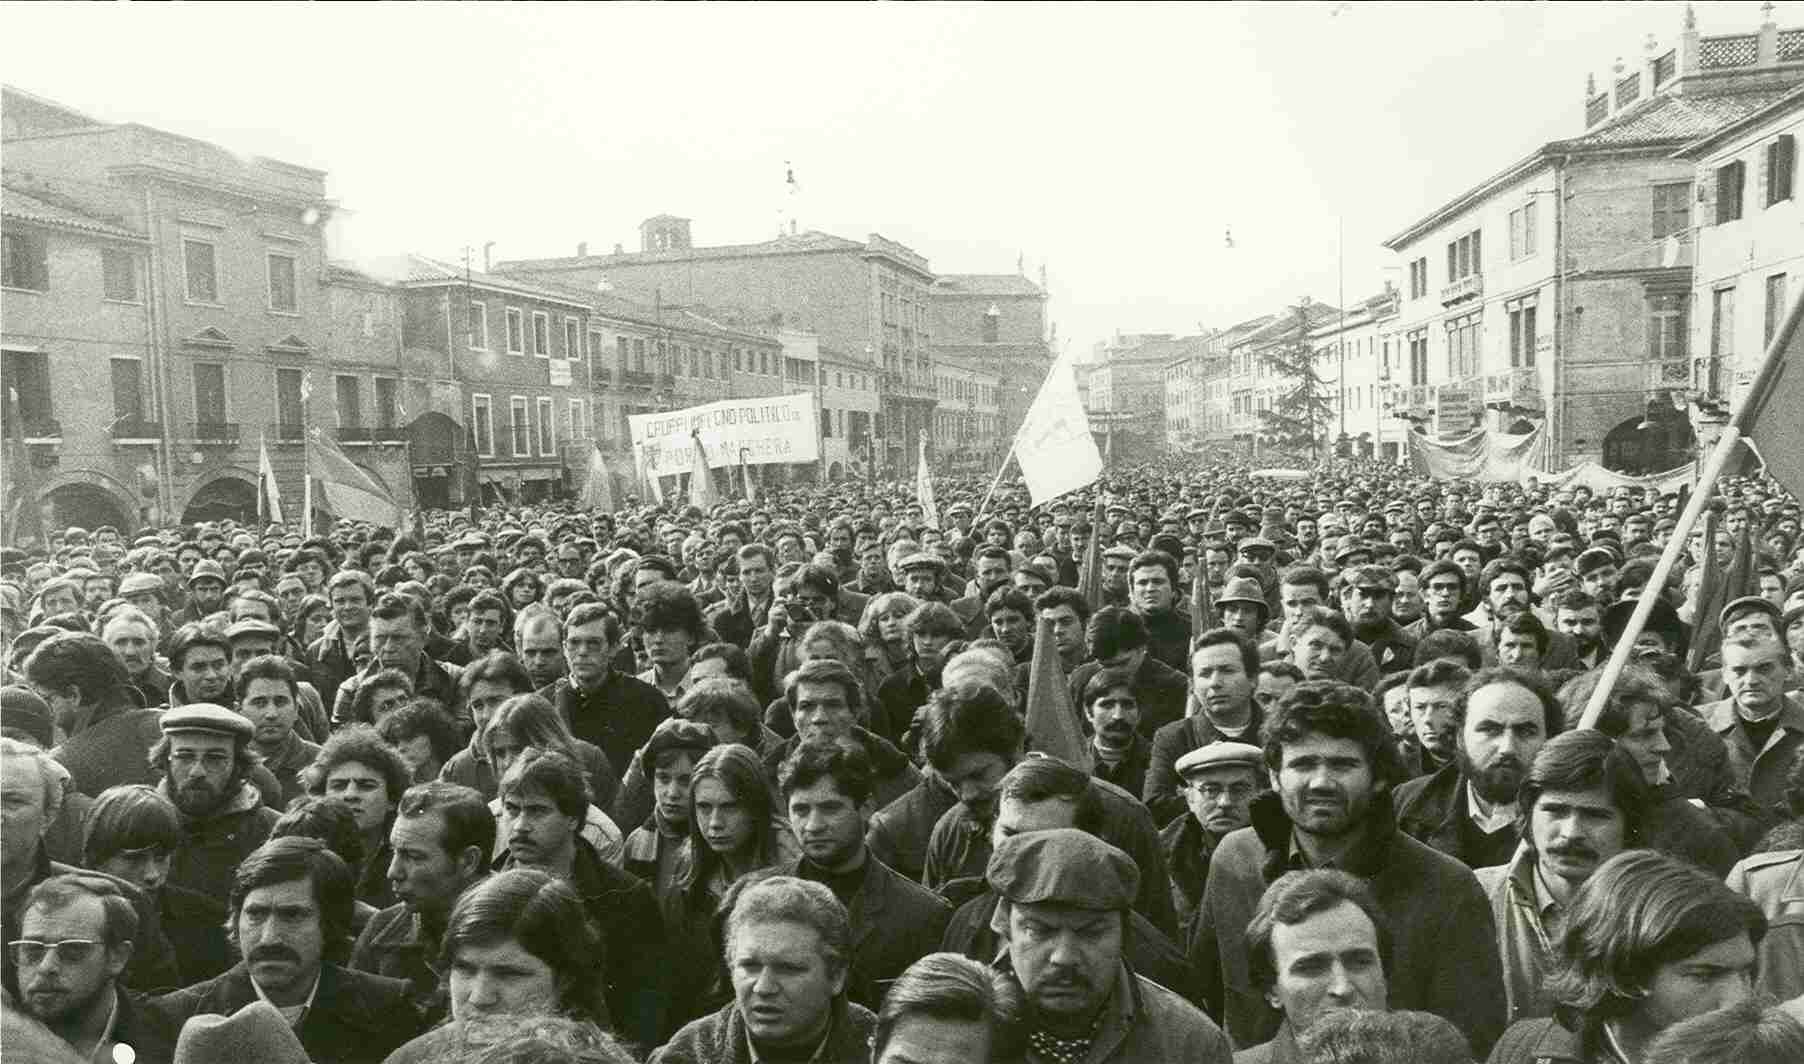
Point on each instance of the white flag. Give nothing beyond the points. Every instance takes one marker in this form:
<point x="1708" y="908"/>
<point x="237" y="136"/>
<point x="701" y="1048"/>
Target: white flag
<point x="266" y="481"/>
<point x="930" y="511"/>
<point x="701" y="480"/>
<point x="1054" y="445"/>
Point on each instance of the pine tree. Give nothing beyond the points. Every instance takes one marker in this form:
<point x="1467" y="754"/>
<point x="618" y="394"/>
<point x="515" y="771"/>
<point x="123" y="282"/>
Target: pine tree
<point x="1299" y="417"/>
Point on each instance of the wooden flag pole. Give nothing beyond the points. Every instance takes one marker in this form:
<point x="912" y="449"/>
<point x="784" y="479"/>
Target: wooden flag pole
<point x="983" y="511"/>
<point x="1675" y="545"/>
<point x="1752" y="404"/>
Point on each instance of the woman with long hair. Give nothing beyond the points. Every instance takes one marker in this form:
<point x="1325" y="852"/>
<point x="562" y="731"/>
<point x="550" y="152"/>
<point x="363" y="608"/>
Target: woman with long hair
<point x="886" y="645"/>
<point x="734" y="828"/>
<point x="526" y="722"/>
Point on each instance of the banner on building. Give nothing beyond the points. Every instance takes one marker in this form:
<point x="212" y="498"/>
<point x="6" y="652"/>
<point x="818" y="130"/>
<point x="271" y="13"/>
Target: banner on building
<point x="1491" y="457"/>
<point x="768" y="430"/>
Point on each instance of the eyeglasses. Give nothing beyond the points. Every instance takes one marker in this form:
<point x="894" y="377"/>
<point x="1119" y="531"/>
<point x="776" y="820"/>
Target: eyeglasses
<point x="29" y="953"/>
<point x="1213" y="792"/>
<point x="212" y="762"/>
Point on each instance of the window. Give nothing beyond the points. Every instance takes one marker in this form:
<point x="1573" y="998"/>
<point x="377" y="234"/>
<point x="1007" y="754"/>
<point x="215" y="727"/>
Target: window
<point x="573" y="343"/>
<point x="1418" y="278"/>
<point x="1522" y="330"/>
<point x="547" y="429"/>
<point x="1728" y="191"/>
<point x="519" y="431"/>
<point x="1666" y="324"/>
<point x="27" y="373"/>
<point x="200" y="271"/>
<point x="516" y="331"/>
<point x="482" y="425"/>
<point x="541" y="334"/>
<point x="990" y="327"/>
<point x="1463" y="257"/>
<point x="479" y="326"/>
<point x="826" y="424"/>
<point x="281" y="283"/>
<point x="624" y="350"/>
<point x="579" y="428"/>
<point x="387" y="403"/>
<point x="290" y="415"/>
<point x="1462" y="347"/>
<point x="209" y="393"/>
<point x="128" y="390"/>
<point x="1781" y="167"/>
<point x="350" y="402"/>
<point x="1418" y="356"/>
<point x="1722" y="323"/>
<point x="596" y="343"/>
<point x="639" y="355"/>
<point x="1522" y="231"/>
<point x="1775" y="307"/>
<point x="119" y="275"/>
<point x="27" y="261"/>
<point x="1672" y="208"/>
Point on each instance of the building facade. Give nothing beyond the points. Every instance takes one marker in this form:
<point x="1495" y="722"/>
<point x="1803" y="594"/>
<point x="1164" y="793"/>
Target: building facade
<point x="1355" y="360"/>
<point x="994" y="324"/>
<point x="1560" y="290"/>
<point x="1749" y="263"/>
<point x="968" y="436"/>
<point x="864" y="299"/>
<point x="226" y="274"/>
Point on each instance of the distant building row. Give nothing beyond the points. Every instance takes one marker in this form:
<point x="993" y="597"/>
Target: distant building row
<point x="169" y="305"/>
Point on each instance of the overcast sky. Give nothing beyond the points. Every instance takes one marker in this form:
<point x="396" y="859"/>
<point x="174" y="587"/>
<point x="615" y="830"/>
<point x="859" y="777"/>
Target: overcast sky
<point x="1115" y="144"/>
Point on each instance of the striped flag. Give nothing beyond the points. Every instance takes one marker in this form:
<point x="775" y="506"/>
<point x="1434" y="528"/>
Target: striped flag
<point x="745" y="472"/>
<point x="350" y="492"/>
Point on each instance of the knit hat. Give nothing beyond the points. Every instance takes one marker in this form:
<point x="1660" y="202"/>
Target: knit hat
<point x="256" y="1032"/>
<point x="22" y="709"/>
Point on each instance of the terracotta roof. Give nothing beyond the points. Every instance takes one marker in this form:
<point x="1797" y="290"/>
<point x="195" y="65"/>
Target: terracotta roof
<point x="1668" y="118"/>
<point x="985" y="284"/>
<point x="17" y="203"/>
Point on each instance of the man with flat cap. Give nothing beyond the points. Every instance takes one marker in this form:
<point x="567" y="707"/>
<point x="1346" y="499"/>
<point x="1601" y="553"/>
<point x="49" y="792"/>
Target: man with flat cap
<point x="1065" y="900"/>
<point x="206" y="758"/>
<point x="1218" y="784"/>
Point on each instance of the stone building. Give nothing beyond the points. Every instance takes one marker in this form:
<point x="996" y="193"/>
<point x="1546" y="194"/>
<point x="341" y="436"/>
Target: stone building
<point x="995" y="324"/>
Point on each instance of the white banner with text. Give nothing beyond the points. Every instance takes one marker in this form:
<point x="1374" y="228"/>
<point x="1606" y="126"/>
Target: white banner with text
<point x="760" y="431"/>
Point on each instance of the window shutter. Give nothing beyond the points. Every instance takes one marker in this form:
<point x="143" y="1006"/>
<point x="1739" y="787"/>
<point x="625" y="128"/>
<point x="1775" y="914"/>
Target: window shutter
<point x="1781" y="165"/>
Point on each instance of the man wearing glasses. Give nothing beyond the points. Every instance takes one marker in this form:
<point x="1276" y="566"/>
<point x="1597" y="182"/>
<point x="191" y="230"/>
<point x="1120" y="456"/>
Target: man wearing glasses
<point x="1220" y="781"/>
<point x="31" y="794"/>
<point x="206" y="760"/>
<point x="75" y="940"/>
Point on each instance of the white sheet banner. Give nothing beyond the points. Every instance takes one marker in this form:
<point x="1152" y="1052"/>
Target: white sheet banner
<point x="760" y="431"/>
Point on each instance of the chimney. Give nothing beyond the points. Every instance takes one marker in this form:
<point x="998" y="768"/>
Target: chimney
<point x="619" y="249"/>
<point x="487" y="249"/>
<point x="582" y="250"/>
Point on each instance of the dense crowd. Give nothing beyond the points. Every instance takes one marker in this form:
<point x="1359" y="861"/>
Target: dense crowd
<point x="774" y="782"/>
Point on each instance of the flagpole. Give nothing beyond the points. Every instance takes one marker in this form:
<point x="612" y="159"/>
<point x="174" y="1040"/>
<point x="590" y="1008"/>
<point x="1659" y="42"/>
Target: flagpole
<point x="994" y="484"/>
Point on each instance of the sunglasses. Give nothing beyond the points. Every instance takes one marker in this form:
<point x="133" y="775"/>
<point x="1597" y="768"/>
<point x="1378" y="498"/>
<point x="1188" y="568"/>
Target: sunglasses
<point x="29" y="953"/>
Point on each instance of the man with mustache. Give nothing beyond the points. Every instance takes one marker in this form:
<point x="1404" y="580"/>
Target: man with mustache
<point x="1467" y="808"/>
<point x="205" y="758"/>
<point x="1119" y="752"/>
<point x="1118" y="638"/>
<point x="291" y="906"/>
<point x="826" y="788"/>
<point x="1065" y="900"/>
<point x="75" y="939"/>
<point x="1333" y="765"/>
<point x="1583" y="801"/>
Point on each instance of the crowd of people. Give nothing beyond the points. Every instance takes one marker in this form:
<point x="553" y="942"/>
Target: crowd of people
<point x="773" y="782"/>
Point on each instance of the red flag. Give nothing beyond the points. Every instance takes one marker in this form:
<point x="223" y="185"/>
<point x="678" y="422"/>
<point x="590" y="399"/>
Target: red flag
<point x="1052" y="723"/>
<point x="1769" y="414"/>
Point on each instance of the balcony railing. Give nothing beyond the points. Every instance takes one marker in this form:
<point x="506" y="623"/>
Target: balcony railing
<point x="216" y="431"/>
<point x="136" y="428"/>
<point x="290" y="431"/>
<point x="1473" y="284"/>
<point x="638" y="378"/>
<point x="390" y="434"/>
<point x="42" y="430"/>
<point x="353" y="434"/>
